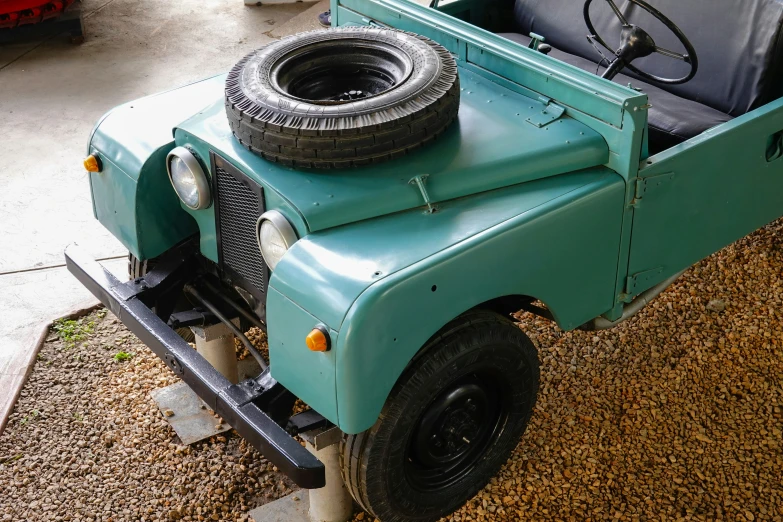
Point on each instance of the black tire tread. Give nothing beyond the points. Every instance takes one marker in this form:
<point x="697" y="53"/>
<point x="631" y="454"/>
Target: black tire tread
<point x="136" y="267"/>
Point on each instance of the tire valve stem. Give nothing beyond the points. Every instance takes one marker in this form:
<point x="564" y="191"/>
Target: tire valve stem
<point x="466" y="440"/>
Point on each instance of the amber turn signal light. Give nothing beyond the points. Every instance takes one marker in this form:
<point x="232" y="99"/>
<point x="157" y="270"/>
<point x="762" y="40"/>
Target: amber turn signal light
<point x="318" y="339"/>
<point x="92" y="163"/>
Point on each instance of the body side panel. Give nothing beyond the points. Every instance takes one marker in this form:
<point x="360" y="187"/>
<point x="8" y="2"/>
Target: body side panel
<point x="563" y="253"/>
<point x="556" y="239"/>
<point x="327" y="271"/>
<point x="704" y="194"/>
<point x="304" y="373"/>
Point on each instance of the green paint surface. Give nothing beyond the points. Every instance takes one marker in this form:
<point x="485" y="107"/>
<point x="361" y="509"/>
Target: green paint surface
<point x="704" y="194"/>
<point x="132" y="196"/>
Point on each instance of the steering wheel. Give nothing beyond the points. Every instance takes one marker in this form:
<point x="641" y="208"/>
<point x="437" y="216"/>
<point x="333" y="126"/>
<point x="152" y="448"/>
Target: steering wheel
<point x="637" y="43"/>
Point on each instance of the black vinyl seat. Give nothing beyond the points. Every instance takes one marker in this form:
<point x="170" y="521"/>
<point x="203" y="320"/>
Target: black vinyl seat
<point x="739" y="45"/>
<point x="672" y="119"/>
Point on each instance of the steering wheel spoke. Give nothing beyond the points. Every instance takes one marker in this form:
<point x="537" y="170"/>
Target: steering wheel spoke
<point x="617" y="12"/>
<point x="671" y="54"/>
<point x="593" y="39"/>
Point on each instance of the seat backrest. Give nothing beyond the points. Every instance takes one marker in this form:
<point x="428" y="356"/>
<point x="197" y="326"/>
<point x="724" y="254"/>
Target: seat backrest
<point x="739" y="43"/>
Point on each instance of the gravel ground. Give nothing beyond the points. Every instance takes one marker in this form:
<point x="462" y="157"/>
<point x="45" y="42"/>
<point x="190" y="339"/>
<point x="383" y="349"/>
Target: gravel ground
<point x="86" y="441"/>
<point x="676" y="415"/>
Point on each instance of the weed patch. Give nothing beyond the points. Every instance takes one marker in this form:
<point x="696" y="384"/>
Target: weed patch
<point x="122" y="356"/>
<point x="72" y="331"/>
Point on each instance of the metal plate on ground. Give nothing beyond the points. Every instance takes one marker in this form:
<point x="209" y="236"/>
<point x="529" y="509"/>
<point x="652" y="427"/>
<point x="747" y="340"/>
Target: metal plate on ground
<point x="190" y="417"/>
<point x="291" y="508"/>
<point x="187" y="413"/>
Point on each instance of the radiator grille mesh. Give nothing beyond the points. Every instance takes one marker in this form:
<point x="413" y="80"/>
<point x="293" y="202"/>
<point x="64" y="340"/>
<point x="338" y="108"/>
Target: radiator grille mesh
<point x="238" y="210"/>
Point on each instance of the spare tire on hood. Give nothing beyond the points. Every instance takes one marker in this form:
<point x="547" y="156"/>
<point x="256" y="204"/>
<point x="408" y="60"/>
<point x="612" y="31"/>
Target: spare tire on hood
<point x="342" y="97"/>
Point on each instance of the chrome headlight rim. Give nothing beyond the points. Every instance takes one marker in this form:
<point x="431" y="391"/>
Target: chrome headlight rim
<point x="282" y="225"/>
<point x="199" y="175"/>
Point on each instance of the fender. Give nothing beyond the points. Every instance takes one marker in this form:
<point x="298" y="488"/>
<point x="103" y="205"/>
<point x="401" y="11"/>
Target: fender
<point x="385" y="286"/>
<point x="132" y="196"/>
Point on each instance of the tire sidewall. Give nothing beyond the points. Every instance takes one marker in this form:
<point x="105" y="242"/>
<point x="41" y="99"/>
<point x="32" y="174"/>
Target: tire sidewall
<point x="300" y="134"/>
<point x="420" y="387"/>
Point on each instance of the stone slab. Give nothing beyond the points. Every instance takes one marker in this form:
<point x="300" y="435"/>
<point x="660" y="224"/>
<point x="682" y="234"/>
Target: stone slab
<point x="291" y="508"/>
<point x="187" y="414"/>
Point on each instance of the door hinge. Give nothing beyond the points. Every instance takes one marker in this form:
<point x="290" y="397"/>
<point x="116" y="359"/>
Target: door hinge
<point x="552" y="112"/>
<point x="641" y="280"/>
<point x="644" y="186"/>
<point x="374" y="23"/>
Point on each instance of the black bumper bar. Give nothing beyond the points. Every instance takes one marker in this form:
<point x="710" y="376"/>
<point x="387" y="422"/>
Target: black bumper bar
<point x="230" y="401"/>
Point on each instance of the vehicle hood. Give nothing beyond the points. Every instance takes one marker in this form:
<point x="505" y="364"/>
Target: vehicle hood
<point x="492" y="145"/>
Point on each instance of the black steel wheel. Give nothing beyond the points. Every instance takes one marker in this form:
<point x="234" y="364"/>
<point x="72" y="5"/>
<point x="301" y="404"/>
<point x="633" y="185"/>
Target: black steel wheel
<point x="342" y="97"/>
<point x="455" y="432"/>
<point x="450" y="423"/>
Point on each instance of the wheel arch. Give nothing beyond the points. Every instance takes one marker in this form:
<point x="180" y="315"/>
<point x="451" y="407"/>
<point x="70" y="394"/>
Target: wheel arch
<point x="553" y="254"/>
<point x="503" y="306"/>
<point x="374" y="363"/>
<point x="132" y="196"/>
<point x="388" y="285"/>
<point x="509" y="304"/>
<point x="454" y="372"/>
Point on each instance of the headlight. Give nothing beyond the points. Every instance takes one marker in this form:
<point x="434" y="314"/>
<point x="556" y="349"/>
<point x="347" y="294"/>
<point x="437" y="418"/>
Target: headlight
<point x="188" y="178"/>
<point x="275" y="236"/>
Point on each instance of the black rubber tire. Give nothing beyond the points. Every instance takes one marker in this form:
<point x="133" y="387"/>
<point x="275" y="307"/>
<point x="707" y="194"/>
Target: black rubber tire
<point x="298" y="132"/>
<point x="139" y="268"/>
<point x="373" y="462"/>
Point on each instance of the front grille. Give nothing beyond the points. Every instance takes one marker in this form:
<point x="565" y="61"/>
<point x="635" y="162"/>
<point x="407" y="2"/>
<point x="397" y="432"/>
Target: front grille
<point x="238" y="203"/>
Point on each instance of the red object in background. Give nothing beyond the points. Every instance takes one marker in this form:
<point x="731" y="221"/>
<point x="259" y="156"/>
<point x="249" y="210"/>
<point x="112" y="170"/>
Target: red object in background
<point x="23" y="12"/>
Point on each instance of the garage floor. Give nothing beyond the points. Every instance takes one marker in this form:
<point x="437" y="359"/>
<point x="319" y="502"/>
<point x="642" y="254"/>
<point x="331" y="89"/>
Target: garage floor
<point x="51" y="95"/>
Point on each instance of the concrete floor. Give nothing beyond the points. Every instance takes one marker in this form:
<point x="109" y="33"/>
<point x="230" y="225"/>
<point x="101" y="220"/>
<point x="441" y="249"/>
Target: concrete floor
<point x="51" y="95"/>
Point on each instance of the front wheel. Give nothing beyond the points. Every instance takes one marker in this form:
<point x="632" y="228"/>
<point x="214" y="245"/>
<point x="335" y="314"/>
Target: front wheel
<point x="449" y="424"/>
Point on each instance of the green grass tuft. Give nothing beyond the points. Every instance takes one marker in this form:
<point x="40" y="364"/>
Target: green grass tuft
<point x="122" y="356"/>
<point x="72" y="331"/>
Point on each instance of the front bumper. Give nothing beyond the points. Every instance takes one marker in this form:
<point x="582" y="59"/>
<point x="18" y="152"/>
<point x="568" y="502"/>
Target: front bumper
<point x="231" y="401"/>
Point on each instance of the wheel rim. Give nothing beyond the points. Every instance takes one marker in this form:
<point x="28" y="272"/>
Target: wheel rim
<point x="455" y="431"/>
<point x="340" y="71"/>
